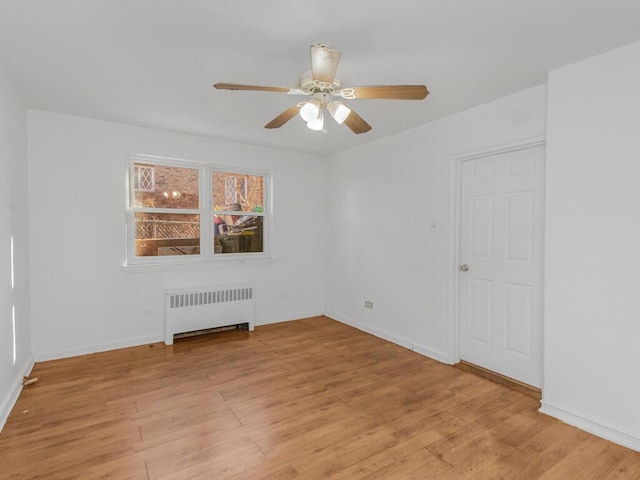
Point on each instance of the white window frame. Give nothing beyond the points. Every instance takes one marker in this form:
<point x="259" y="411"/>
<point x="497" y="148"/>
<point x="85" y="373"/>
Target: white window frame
<point x="205" y="210"/>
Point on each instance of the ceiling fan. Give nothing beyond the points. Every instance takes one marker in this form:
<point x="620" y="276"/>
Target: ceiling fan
<point x="321" y="84"/>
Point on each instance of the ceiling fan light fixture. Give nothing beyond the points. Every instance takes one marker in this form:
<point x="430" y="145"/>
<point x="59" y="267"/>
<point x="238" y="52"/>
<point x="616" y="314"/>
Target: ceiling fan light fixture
<point x="310" y="110"/>
<point x="321" y="87"/>
<point x="317" y="123"/>
<point x="339" y="111"/>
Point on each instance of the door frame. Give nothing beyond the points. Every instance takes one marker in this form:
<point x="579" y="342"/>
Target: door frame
<point x="455" y="200"/>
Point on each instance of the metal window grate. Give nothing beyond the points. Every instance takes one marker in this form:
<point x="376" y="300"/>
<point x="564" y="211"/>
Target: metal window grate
<point x="235" y="190"/>
<point x="231" y="190"/>
<point x="143" y="178"/>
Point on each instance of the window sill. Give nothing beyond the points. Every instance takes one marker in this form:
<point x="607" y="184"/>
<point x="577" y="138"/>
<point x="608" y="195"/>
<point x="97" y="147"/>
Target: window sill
<point x="200" y="264"/>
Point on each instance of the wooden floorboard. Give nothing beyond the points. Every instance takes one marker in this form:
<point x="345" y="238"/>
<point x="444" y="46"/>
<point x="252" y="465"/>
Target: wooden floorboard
<point x="309" y="399"/>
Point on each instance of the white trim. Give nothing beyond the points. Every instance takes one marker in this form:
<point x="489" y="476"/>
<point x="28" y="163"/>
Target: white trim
<point x="453" y="356"/>
<point x="157" y="159"/>
<point x="182" y="263"/>
<point x="500" y="149"/>
<point x="47" y="355"/>
<point x="172" y="211"/>
<point x="290" y="318"/>
<point x="12" y="396"/>
<point x="206" y="221"/>
<point x="607" y="432"/>
<point x="454" y="279"/>
<point x="407" y="343"/>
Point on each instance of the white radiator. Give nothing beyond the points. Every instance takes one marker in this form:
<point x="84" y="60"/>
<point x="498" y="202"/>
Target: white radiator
<point x="192" y="309"/>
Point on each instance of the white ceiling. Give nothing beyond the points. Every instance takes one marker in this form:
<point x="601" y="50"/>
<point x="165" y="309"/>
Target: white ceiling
<point x="153" y="62"/>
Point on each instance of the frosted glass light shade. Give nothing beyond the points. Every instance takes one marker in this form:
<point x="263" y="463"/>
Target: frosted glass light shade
<point x="339" y="111"/>
<point x="310" y="110"/>
<point x="317" y="123"/>
<point x="324" y="62"/>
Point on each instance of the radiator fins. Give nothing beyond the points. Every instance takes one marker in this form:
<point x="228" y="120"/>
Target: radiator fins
<point x="191" y="299"/>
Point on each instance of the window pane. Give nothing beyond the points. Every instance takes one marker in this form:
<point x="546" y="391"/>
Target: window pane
<point x="237" y="192"/>
<point x="160" y="186"/>
<point x="159" y="234"/>
<point x="237" y="233"/>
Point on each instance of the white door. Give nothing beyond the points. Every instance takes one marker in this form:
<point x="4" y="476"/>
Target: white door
<point x="501" y="264"/>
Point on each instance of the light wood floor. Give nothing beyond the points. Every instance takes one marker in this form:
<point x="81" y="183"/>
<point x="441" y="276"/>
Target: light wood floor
<point x="306" y="399"/>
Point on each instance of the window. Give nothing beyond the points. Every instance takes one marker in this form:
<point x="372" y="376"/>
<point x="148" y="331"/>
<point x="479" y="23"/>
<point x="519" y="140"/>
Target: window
<point x="172" y="218"/>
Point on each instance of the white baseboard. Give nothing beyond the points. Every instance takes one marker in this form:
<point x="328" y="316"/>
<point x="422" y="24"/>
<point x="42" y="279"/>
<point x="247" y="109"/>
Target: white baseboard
<point x="604" y="431"/>
<point x="291" y="317"/>
<point x="12" y="396"/>
<point x="44" y="355"/>
<point x="442" y="357"/>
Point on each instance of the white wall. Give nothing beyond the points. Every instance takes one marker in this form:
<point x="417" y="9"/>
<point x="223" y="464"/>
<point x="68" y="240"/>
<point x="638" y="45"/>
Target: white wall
<point x="383" y="199"/>
<point x="592" y="314"/>
<point x="15" y="331"/>
<point x="83" y="301"/>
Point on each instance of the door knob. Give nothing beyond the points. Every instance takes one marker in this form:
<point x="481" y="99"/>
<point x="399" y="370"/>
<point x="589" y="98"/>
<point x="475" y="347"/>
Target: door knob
<point x="464" y="267"/>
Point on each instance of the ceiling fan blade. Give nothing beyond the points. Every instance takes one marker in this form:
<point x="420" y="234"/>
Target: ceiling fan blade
<point x="396" y="92"/>
<point x="324" y="63"/>
<point x="356" y="123"/>
<point x="236" y="86"/>
<point x="284" y="117"/>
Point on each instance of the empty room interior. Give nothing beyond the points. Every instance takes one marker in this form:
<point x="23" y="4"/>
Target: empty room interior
<point x="260" y="240"/>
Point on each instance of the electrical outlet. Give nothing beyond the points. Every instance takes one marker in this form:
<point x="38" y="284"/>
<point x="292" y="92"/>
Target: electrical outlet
<point x="368" y="304"/>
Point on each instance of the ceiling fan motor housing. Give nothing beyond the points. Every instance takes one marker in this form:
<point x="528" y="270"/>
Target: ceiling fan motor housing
<point x="309" y="85"/>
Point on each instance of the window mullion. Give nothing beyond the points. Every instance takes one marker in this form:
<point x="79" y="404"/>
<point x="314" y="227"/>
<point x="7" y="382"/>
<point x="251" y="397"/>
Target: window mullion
<point x="206" y="215"/>
<point x="239" y="213"/>
<point x="187" y="211"/>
